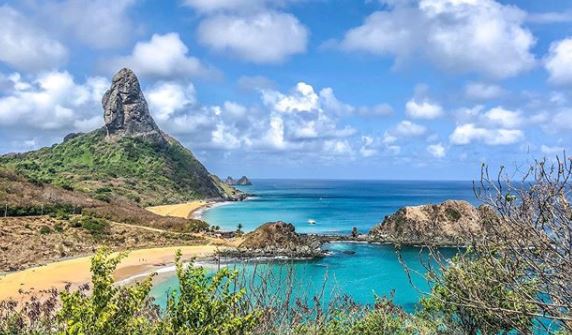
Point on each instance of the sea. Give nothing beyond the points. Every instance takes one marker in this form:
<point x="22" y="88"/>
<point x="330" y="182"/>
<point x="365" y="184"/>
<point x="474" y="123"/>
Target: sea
<point x="361" y="272"/>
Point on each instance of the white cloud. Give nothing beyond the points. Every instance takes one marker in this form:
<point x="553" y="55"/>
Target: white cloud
<point x="436" y="150"/>
<point x="263" y="37"/>
<point x="338" y="147"/>
<point x="25" y="47"/>
<point x="551" y="150"/>
<point x="52" y="102"/>
<point x="367" y="149"/>
<point x="164" y="56"/>
<point x="407" y="128"/>
<point x="97" y="23"/>
<point x="166" y="98"/>
<point x="423" y="109"/>
<point x="549" y="17"/>
<point x="468" y="133"/>
<point x="558" y="63"/>
<point x="302" y="99"/>
<point x="207" y="6"/>
<point x="458" y="35"/>
<point x="482" y="91"/>
<point x="504" y="118"/>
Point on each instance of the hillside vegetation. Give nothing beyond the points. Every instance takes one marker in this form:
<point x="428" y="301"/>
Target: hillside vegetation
<point x="130" y="169"/>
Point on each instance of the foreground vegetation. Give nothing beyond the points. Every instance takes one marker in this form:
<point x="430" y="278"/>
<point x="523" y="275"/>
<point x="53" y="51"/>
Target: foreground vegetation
<point x="515" y="280"/>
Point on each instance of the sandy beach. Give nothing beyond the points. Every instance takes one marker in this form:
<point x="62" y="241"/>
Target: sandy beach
<point x="76" y="271"/>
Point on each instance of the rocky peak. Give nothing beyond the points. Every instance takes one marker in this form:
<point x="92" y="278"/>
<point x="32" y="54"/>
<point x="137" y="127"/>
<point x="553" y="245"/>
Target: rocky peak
<point x="126" y="112"/>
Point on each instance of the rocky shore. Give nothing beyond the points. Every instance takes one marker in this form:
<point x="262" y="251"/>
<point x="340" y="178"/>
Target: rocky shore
<point x="451" y="223"/>
<point x="276" y="239"/>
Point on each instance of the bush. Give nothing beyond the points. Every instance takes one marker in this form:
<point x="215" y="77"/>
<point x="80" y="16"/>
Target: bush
<point x="94" y="226"/>
<point x="45" y="230"/>
<point x="108" y="309"/>
<point x="206" y="306"/>
<point x="58" y="227"/>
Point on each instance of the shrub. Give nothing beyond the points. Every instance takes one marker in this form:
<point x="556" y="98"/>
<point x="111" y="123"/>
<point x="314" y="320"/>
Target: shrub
<point x="58" y="227"/>
<point x="45" y="230"/>
<point x="109" y="309"/>
<point x="205" y="305"/>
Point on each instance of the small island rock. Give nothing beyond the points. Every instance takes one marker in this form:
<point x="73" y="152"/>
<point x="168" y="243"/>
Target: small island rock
<point x="452" y="222"/>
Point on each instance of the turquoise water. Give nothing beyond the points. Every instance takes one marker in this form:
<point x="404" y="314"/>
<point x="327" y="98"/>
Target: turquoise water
<point x="368" y="271"/>
<point x="359" y="270"/>
<point x="336" y="206"/>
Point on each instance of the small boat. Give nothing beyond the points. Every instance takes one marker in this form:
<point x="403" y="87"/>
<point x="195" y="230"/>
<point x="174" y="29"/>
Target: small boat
<point x="312" y="221"/>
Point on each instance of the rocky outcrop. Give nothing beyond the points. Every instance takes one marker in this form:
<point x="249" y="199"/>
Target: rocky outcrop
<point x="243" y="181"/>
<point x="278" y="239"/>
<point x="126" y="112"/>
<point x="452" y="222"/>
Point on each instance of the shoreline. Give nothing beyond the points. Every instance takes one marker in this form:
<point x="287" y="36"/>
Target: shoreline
<point x="198" y="214"/>
<point x="75" y="272"/>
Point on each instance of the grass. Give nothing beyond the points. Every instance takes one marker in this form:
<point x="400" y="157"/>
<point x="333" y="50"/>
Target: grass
<point x="130" y="169"/>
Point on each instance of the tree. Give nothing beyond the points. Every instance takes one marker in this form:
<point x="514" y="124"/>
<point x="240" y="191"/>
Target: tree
<point x="520" y="269"/>
<point x="355" y="232"/>
<point x="239" y="228"/>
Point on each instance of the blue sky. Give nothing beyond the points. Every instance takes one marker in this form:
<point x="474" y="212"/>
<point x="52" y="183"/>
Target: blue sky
<point x="373" y="89"/>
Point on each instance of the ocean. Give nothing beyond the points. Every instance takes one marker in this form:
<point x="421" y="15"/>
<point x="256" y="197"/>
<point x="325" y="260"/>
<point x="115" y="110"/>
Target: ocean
<point x="360" y="271"/>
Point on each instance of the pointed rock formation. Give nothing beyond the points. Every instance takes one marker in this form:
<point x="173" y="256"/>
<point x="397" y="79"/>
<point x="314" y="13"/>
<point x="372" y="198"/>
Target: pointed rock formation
<point x="126" y="112"/>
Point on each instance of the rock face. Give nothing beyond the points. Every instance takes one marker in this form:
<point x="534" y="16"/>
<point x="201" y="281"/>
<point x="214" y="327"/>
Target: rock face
<point x="279" y="238"/>
<point x="243" y="181"/>
<point x="452" y="222"/>
<point x="125" y="110"/>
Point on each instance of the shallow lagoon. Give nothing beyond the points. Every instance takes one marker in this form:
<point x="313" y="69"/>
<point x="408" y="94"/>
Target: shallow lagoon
<point x="359" y="270"/>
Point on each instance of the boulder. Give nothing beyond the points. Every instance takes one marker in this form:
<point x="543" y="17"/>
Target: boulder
<point x="452" y="222"/>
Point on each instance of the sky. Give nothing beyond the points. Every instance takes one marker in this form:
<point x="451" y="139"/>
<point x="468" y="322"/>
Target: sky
<point x="329" y="89"/>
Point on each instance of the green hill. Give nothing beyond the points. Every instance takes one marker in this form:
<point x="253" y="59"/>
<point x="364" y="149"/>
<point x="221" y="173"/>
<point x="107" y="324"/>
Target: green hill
<point x="130" y="159"/>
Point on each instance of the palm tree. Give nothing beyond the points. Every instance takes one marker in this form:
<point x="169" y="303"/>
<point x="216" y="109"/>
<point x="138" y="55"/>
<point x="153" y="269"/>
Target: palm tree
<point x="355" y="232"/>
<point x="239" y="228"/>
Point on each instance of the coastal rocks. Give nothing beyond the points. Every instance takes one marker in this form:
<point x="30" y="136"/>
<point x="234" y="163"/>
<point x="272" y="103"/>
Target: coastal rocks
<point x="450" y="223"/>
<point x="277" y="239"/>
<point x="126" y="112"/>
<point x="243" y="181"/>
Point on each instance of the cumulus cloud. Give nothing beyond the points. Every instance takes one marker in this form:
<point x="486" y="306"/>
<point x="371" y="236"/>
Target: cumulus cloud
<point x="483" y="91"/>
<point x="96" y="23"/>
<point x="499" y="116"/>
<point x="207" y="6"/>
<point x="163" y="56"/>
<point x="558" y="63"/>
<point x="166" y="98"/>
<point x="462" y="36"/>
<point x="424" y="109"/>
<point x="436" y="150"/>
<point x="24" y="46"/>
<point x="407" y="128"/>
<point x="263" y="37"/>
<point x="469" y="133"/>
<point x="52" y="101"/>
